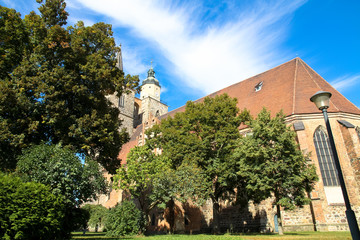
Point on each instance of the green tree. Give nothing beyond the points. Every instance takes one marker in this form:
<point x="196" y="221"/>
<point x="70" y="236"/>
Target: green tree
<point x="142" y="169"/>
<point x="151" y="181"/>
<point x="13" y="41"/>
<point x="13" y="38"/>
<point x="186" y="182"/>
<point x="204" y="136"/>
<point x="98" y="215"/>
<point x="273" y="165"/>
<point x="54" y="85"/>
<point x="29" y="210"/>
<point x="61" y="170"/>
<point x="124" y="219"/>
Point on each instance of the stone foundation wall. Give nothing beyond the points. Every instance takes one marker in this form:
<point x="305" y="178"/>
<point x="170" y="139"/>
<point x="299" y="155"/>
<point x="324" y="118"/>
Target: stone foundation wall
<point x="299" y="219"/>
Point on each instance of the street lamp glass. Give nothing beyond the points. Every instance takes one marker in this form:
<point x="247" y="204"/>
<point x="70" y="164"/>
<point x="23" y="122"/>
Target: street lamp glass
<point x="321" y="99"/>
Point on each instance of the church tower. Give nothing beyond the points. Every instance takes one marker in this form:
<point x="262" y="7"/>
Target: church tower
<point x="151" y="106"/>
<point x="150" y="87"/>
<point x="125" y="103"/>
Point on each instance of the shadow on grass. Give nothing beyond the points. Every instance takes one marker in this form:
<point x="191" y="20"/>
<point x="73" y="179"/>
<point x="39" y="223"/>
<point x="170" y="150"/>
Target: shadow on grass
<point x="95" y="236"/>
<point x="270" y="234"/>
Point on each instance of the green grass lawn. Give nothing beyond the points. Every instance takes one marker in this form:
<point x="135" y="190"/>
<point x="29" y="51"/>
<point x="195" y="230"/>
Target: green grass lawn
<point x="288" y="235"/>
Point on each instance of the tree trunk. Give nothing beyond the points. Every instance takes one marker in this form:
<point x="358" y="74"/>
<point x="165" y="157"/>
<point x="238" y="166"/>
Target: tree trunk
<point x="216" y="217"/>
<point x="171" y="216"/>
<point x="312" y="211"/>
<point x="281" y="231"/>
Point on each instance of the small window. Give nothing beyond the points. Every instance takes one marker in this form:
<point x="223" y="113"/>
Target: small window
<point x="258" y="86"/>
<point x="157" y="114"/>
<point x="122" y="101"/>
<point x="358" y="132"/>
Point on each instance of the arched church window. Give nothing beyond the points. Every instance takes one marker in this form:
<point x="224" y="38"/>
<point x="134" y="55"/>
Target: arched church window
<point x="358" y="132"/>
<point x="326" y="158"/>
<point x="157" y="114"/>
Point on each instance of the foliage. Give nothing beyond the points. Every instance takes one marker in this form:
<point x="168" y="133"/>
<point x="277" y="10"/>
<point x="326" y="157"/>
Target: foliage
<point x="54" y="82"/>
<point x="149" y="178"/>
<point x="272" y="163"/>
<point x="97" y="215"/>
<point x="124" y="219"/>
<point x="13" y="38"/>
<point x="143" y="167"/>
<point x="187" y="182"/>
<point x="29" y="210"/>
<point x="203" y="136"/>
<point x="63" y="171"/>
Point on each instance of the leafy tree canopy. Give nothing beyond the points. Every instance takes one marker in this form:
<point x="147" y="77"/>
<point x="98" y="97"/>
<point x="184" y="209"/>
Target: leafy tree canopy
<point x="150" y="180"/>
<point x="143" y="167"/>
<point x="272" y="163"/>
<point x="54" y="82"/>
<point x="63" y="172"/>
<point x="203" y="136"/>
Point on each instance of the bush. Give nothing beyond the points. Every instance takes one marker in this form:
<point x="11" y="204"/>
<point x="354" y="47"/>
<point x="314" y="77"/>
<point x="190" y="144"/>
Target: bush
<point x="97" y="215"/>
<point x="29" y="210"/>
<point x="124" y="219"/>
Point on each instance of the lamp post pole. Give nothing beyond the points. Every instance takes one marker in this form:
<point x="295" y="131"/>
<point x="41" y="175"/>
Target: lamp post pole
<point x="350" y="215"/>
<point x="321" y="100"/>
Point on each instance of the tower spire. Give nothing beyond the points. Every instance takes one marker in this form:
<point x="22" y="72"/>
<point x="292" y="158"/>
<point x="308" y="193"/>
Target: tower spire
<point x="119" y="62"/>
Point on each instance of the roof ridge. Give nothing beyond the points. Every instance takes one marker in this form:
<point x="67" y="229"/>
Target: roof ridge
<point x="294" y="89"/>
<point x="305" y="65"/>
<point x="330" y="85"/>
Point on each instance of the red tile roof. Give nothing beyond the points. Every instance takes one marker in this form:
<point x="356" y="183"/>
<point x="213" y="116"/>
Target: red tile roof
<point x="287" y="87"/>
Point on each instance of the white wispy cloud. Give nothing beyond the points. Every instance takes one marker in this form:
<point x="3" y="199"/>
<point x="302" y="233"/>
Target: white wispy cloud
<point x="345" y="82"/>
<point x="87" y="22"/>
<point x="209" y="56"/>
<point x="133" y="65"/>
<point x="9" y="3"/>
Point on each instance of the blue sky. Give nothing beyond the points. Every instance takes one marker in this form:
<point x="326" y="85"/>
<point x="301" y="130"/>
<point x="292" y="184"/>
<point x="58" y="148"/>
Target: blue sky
<point x="198" y="47"/>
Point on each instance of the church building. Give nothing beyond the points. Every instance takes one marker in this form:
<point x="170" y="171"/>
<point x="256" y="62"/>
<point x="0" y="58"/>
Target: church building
<point x="135" y="111"/>
<point x="287" y="87"/>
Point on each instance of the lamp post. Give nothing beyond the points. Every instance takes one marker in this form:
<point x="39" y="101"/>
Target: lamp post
<point x="321" y="100"/>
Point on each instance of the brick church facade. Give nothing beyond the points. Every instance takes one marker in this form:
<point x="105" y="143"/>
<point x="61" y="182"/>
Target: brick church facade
<point x="287" y="87"/>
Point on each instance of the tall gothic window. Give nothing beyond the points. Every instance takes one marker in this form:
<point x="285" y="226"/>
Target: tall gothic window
<point x="122" y="101"/>
<point x="326" y="158"/>
<point x="358" y="132"/>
